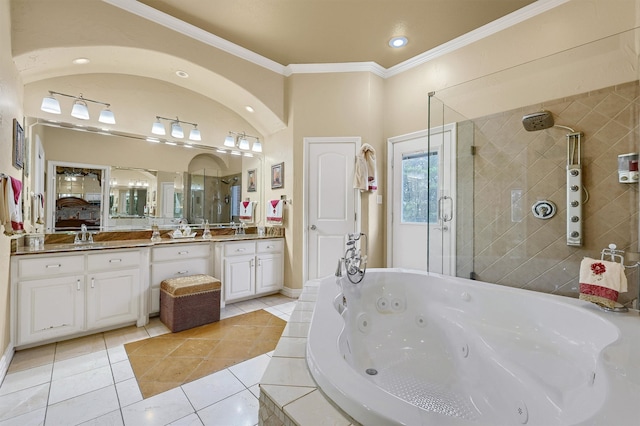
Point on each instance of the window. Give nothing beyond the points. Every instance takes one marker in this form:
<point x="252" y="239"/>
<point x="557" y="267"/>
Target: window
<point x="420" y="187"/>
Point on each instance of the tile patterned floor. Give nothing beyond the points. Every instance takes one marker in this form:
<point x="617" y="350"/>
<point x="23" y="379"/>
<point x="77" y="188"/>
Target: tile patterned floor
<point x="90" y="381"/>
<point x="167" y="361"/>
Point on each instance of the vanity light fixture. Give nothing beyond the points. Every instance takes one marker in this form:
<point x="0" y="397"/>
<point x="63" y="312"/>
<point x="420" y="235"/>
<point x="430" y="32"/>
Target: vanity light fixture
<point x="239" y="140"/>
<point x="80" y="108"/>
<point x="176" y="129"/>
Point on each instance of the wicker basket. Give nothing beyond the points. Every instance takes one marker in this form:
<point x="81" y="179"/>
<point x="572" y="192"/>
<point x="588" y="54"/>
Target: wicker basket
<point x="188" y="302"/>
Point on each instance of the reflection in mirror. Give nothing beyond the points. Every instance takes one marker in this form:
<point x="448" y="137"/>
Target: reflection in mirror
<point x="76" y="196"/>
<point x="168" y="193"/>
<point x="214" y="199"/>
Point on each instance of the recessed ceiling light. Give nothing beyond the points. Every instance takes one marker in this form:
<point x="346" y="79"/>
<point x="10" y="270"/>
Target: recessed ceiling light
<point x="182" y="74"/>
<point x="81" y="61"/>
<point x="398" y="42"/>
<point x="249" y="108"/>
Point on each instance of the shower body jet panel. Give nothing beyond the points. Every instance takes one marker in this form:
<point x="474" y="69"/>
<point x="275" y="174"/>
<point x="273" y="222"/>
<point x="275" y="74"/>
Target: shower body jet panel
<point x="544" y="120"/>
<point x="574" y="190"/>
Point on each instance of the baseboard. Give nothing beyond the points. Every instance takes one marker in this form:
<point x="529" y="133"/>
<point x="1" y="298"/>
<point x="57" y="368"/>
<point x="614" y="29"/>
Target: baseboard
<point x="294" y="293"/>
<point x="7" y="356"/>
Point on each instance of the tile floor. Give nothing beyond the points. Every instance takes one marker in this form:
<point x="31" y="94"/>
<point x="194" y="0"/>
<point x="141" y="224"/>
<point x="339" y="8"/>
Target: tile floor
<point x="90" y="381"/>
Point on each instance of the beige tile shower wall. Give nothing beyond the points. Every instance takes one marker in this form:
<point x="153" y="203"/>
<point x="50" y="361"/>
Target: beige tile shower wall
<point x="532" y="253"/>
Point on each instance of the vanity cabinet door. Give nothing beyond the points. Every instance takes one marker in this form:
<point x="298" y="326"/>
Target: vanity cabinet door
<point x="113" y="298"/>
<point x="50" y="308"/>
<point x="269" y="273"/>
<point x="239" y="277"/>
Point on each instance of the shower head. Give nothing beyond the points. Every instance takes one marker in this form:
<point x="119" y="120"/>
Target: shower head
<point x="537" y="121"/>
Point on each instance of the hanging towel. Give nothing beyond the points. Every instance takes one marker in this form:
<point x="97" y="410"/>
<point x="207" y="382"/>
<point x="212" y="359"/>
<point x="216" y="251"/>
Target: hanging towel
<point x="364" y="177"/>
<point x="274" y="211"/>
<point x="13" y="206"/>
<point x="601" y="281"/>
<point x="5" y="219"/>
<point x="360" y="177"/>
<point x="246" y="211"/>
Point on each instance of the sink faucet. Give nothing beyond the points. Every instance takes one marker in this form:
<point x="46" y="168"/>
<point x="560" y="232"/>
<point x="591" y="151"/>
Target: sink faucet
<point x="83" y="235"/>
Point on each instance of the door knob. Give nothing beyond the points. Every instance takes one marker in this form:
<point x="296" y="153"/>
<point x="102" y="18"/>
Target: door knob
<point x="313" y="227"/>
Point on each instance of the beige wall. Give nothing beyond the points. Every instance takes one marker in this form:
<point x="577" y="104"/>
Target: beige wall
<point x="10" y="107"/>
<point x="331" y="105"/>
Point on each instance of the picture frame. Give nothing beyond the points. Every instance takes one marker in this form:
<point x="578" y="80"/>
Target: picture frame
<point x="18" y="145"/>
<point x="277" y="176"/>
<point x="252" y="180"/>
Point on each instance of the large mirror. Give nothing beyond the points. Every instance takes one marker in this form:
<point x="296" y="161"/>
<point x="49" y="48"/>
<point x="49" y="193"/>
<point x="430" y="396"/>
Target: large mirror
<point x="194" y="184"/>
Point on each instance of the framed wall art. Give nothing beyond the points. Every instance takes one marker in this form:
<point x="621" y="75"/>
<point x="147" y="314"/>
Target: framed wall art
<point x="252" y="180"/>
<point x="277" y="176"/>
<point x="18" y="145"/>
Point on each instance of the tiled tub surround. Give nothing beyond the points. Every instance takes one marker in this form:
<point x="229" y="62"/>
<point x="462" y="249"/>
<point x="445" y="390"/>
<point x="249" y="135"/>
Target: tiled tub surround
<point x="532" y="253"/>
<point x="288" y="394"/>
<point x="606" y="343"/>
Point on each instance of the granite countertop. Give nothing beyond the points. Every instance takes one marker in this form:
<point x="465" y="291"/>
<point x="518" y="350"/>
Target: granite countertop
<point x="123" y="244"/>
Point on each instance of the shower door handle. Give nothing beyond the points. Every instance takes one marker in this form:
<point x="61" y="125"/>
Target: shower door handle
<point x="446" y="217"/>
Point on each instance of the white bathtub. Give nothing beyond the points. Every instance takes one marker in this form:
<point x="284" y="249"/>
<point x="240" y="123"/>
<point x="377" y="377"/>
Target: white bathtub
<point x="405" y="347"/>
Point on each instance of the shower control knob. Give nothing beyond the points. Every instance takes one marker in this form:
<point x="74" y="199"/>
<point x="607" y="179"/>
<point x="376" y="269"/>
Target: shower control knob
<point x="575" y="219"/>
<point x="574" y="172"/>
<point x="575" y="234"/>
<point x="574" y="188"/>
<point x="574" y="203"/>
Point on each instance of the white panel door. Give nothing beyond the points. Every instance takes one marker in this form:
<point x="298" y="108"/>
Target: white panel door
<point x="423" y="211"/>
<point x="331" y="201"/>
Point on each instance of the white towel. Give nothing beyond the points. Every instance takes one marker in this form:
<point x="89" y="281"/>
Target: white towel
<point x="5" y="219"/>
<point x="13" y="206"/>
<point x="274" y="211"/>
<point x="370" y="156"/>
<point x="360" y="176"/>
<point x="364" y="177"/>
<point x="246" y="211"/>
<point x="601" y="281"/>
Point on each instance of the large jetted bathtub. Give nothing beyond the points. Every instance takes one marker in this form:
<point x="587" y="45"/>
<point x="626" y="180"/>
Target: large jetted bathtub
<point x="411" y="348"/>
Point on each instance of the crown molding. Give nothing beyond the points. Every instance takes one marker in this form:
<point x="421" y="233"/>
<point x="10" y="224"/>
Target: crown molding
<point x="161" y="18"/>
<point x="168" y="21"/>
<point x="371" y="67"/>
<point x="527" y="12"/>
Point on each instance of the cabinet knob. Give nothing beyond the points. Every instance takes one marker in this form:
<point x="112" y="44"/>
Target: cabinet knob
<point x="57" y="265"/>
<point x="78" y="285"/>
<point x="313" y="227"/>
<point x="183" y="252"/>
<point x="182" y="272"/>
<point x="241" y="249"/>
<point x="115" y="260"/>
<point x="93" y="283"/>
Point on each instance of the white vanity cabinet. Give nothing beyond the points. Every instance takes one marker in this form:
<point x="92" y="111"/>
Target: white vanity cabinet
<point x="113" y="288"/>
<point x="55" y="296"/>
<point x="249" y="268"/>
<point x="175" y="260"/>
<point x="50" y="297"/>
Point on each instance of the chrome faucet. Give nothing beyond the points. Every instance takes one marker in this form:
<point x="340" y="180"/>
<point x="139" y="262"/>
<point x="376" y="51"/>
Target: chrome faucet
<point x="83" y="236"/>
